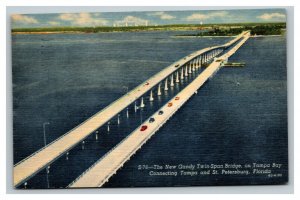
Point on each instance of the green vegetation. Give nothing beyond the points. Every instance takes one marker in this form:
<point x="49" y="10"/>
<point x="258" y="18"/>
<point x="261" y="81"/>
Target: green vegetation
<point x="255" y="29"/>
<point x="206" y="30"/>
<point x="107" y="29"/>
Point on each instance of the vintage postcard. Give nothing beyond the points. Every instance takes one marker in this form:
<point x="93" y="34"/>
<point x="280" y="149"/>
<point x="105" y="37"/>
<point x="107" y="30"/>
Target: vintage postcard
<point x="149" y="99"/>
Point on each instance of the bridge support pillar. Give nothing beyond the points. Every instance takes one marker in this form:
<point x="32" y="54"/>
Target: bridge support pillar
<point x="142" y="103"/>
<point x="151" y="96"/>
<point x="181" y="75"/>
<point x="108" y="129"/>
<point x="177" y="77"/>
<point x="96" y="137"/>
<point x="118" y="119"/>
<point x="158" y="91"/>
<point x="193" y="66"/>
<point x="82" y="147"/>
<point x="190" y="68"/>
<point x="172" y="81"/>
<point x="166" y="85"/>
<point x="135" y="107"/>
<point x="127" y="113"/>
<point x="186" y="71"/>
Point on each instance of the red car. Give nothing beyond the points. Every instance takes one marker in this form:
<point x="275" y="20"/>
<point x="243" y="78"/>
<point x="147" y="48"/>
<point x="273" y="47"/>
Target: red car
<point x="146" y="83"/>
<point x="176" y="98"/>
<point x="144" y="127"/>
<point x="170" y="104"/>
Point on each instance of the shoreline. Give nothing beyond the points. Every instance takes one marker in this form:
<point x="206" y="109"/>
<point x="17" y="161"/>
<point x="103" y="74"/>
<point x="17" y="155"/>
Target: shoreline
<point x="211" y="30"/>
<point x="113" y="31"/>
<point x="47" y="32"/>
<point x="206" y="36"/>
<point x="174" y="36"/>
<point x="221" y="36"/>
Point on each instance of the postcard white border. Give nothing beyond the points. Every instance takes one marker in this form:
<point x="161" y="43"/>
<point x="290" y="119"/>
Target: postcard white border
<point x="188" y="190"/>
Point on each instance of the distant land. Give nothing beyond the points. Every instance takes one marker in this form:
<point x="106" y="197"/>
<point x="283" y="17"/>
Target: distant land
<point x="204" y="30"/>
<point x="232" y="30"/>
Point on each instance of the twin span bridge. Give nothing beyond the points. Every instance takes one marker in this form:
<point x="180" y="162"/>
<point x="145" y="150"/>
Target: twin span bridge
<point x="213" y="58"/>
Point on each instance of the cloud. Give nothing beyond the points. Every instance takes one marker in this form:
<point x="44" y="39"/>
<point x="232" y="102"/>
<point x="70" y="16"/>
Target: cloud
<point x="218" y="14"/>
<point x="132" y="20"/>
<point x="194" y="17"/>
<point x="163" y="15"/>
<point x="24" y="19"/>
<point x="82" y="19"/>
<point x="272" y="16"/>
<point x="200" y="16"/>
<point x="54" y="23"/>
<point x="96" y="14"/>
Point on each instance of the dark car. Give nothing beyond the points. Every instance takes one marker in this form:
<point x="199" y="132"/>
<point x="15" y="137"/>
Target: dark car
<point x="151" y="120"/>
<point x="177" y="65"/>
<point x="144" y="127"/>
<point x="161" y="112"/>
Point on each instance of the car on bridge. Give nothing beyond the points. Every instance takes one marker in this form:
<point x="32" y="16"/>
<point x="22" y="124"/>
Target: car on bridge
<point x="160" y="112"/>
<point x="143" y="128"/>
<point x="151" y="120"/>
<point x="177" y="98"/>
<point x="170" y="104"/>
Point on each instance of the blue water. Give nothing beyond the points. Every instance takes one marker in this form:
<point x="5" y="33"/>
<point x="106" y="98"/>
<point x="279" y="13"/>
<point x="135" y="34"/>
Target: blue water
<point x="239" y="116"/>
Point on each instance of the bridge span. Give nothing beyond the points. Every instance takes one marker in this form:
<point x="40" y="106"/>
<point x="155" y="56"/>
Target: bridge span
<point x="39" y="160"/>
<point x="107" y="166"/>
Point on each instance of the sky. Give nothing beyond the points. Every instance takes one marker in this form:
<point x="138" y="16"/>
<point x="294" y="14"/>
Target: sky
<point x="147" y="18"/>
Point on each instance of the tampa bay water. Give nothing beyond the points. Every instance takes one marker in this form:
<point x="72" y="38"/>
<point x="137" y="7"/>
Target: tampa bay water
<point x="238" y="116"/>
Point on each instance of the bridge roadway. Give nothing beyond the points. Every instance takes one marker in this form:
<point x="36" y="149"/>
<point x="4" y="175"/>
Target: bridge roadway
<point x="103" y="169"/>
<point x="31" y="165"/>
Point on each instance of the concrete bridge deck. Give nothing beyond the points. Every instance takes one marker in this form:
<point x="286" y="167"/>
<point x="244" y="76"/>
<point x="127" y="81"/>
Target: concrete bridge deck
<point x="102" y="170"/>
<point x="31" y="165"/>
